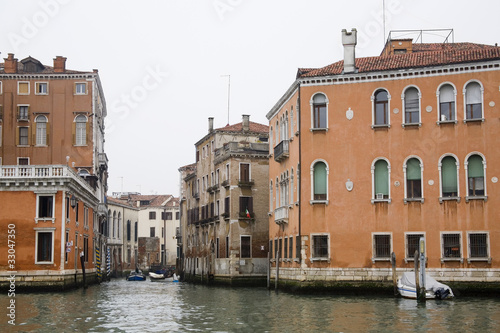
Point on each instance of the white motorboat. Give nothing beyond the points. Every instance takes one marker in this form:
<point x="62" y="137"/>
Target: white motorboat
<point x="433" y="288"/>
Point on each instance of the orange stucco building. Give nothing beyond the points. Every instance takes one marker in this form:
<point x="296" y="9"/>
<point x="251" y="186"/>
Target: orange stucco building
<point x="53" y="173"/>
<point x="368" y="155"/>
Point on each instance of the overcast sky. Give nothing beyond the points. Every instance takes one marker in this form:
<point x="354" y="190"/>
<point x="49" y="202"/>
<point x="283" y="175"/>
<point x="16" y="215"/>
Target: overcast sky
<point x="163" y="63"/>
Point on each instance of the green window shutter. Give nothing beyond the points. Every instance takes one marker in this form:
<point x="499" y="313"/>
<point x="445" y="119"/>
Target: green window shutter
<point x="449" y="174"/>
<point x="320" y="178"/>
<point x="413" y="169"/>
<point x="475" y="167"/>
<point x="381" y="177"/>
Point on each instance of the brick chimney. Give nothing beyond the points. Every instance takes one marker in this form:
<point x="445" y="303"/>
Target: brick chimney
<point x="10" y="65"/>
<point x="349" y="40"/>
<point x="59" y="64"/>
<point x="246" y="123"/>
<point x="210" y="124"/>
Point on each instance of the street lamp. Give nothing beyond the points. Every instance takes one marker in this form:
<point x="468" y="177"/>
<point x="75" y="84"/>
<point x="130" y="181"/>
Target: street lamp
<point x="72" y="201"/>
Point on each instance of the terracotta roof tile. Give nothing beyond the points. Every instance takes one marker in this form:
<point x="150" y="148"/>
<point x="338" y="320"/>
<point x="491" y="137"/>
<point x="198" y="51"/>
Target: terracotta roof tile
<point x="254" y="127"/>
<point x="424" y="55"/>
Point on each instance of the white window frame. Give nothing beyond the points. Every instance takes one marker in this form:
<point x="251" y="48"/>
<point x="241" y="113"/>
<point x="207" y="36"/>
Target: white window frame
<point x="459" y="233"/>
<point x="406" y="199"/>
<point x="38" y="84"/>
<point x="78" y="84"/>
<point x="372" y="100"/>
<point x="20" y="157"/>
<point x="22" y="82"/>
<point x="466" y="168"/>
<point x="249" y="236"/>
<point x="81" y="140"/>
<point x="374" y="199"/>
<point x="311" y="104"/>
<point x="374" y="258"/>
<point x="438" y="92"/>
<point x="27" y="112"/>
<point x="41" y="140"/>
<point x="441" y="198"/>
<point x="312" y="248"/>
<point x="403" y="103"/>
<point x="312" y="182"/>
<point x="488" y="255"/>
<point x="464" y="91"/>
<point x="411" y="257"/>
<point x="44" y="230"/>
<point x="1" y="87"/>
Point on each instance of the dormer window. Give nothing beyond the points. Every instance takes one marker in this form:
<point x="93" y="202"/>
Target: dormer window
<point x="31" y="65"/>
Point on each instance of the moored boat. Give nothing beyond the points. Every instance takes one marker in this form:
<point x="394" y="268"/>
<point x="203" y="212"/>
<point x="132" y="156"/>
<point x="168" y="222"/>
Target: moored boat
<point x="433" y="288"/>
<point x="155" y="276"/>
<point x="136" y="276"/>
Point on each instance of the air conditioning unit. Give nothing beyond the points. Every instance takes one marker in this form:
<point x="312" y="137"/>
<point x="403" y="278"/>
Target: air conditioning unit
<point x="379" y="196"/>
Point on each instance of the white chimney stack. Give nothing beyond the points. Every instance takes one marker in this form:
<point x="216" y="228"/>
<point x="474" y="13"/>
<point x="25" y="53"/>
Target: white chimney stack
<point x="246" y="123"/>
<point x="210" y="124"/>
<point x="349" y="40"/>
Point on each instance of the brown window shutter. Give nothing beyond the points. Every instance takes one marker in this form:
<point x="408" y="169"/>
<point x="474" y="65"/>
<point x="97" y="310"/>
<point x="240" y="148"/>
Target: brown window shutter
<point x="47" y="131"/>
<point x="32" y="131"/>
<point x="73" y="132"/>
<point x="18" y="112"/>
<point x="87" y="132"/>
<point x="17" y="136"/>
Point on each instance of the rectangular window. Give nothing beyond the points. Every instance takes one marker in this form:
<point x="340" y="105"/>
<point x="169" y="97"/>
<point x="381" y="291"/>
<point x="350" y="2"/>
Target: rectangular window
<point x="152" y="232"/>
<point x="227" y="246"/>
<point x="45" y="206"/>
<point x="226" y="206"/>
<point x="81" y="88"/>
<point x="246" y="248"/>
<point x="319" y="246"/>
<point x="290" y="248"/>
<point x="22" y="112"/>
<point x="280" y="248"/>
<point x="381" y="246"/>
<point x="412" y="244"/>
<point x="177" y="215"/>
<point x="128" y="231"/>
<point x="152" y="215"/>
<point x="244" y="172"/>
<point x="319" y="116"/>
<point x="23" y="88"/>
<point x="85" y="248"/>
<point x="23" y="136"/>
<point x="67" y="247"/>
<point x="271" y="249"/>
<point x="451" y="246"/>
<point x="85" y="217"/>
<point x="478" y="246"/>
<point x="44" y="247"/>
<point x="297" y="247"/>
<point x="217" y="247"/>
<point x="246" y="207"/>
<point x="41" y="88"/>
<point x="135" y="232"/>
<point x="285" y="248"/>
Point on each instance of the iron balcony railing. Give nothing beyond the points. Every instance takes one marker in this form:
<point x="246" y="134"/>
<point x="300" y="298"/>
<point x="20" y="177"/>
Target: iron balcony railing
<point x="281" y="151"/>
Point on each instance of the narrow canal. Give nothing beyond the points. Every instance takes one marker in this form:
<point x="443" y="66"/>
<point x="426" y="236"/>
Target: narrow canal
<point x="121" y="306"/>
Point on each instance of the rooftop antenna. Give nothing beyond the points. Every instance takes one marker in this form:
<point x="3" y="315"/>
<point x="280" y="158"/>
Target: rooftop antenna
<point x="228" y="94"/>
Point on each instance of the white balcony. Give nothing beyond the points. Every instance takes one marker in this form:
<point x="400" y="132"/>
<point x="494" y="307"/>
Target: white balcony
<point x="281" y="215"/>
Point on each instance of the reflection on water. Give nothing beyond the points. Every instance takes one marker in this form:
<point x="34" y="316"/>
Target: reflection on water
<point x="144" y="306"/>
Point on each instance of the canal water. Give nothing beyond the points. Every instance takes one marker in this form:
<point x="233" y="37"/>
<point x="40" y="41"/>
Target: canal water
<point x="144" y="306"/>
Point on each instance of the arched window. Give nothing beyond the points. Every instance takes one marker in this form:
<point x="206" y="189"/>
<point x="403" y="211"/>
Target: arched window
<point x="291" y="123"/>
<point x="381" y="107"/>
<point x="412" y="106"/>
<point x="80" y="130"/>
<point x="447" y="103"/>
<point x="276" y="184"/>
<point x="320" y="181"/>
<point x="41" y="130"/>
<point x="381" y="180"/>
<point x="276" y="134"/>
<point x="413" y="179"/>
<point x="291" y="187"/>
<point x="475" y="176"/>
<point x="128" y="230"/>
<point x="118" y="225"/>
<point x="473" y="101"/>
<point x="114" y="224"/>
<point x="449" y="183"/>
<point x="319" y="116"/>
<point x="271" y="196"/>
<point x="286" y="136"/>
<point x="271" y="140"/>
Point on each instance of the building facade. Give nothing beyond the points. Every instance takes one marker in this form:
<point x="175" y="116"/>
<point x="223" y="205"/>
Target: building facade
<point x="123" y="219"/>
<point x="53" y="173"/>
<point x="368" y="155"/>
<point x="225" y="199"/>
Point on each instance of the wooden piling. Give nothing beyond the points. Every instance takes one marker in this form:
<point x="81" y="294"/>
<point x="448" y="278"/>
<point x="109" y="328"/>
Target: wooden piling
<point x="277" y="270"/>
<point x="268" y="271"/>
<point x="394" y="276"/>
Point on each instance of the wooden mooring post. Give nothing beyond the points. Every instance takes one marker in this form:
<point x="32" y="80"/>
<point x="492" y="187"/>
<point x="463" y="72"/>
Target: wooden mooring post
<point x="276" y="279"/>
<point x="417" y="284"/>
<point x="268" y="271"/>
<point x="394" y="276"/>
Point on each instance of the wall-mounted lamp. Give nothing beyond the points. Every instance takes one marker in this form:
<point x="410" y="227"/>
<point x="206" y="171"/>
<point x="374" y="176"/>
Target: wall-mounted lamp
<point x="72" y="201"/>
